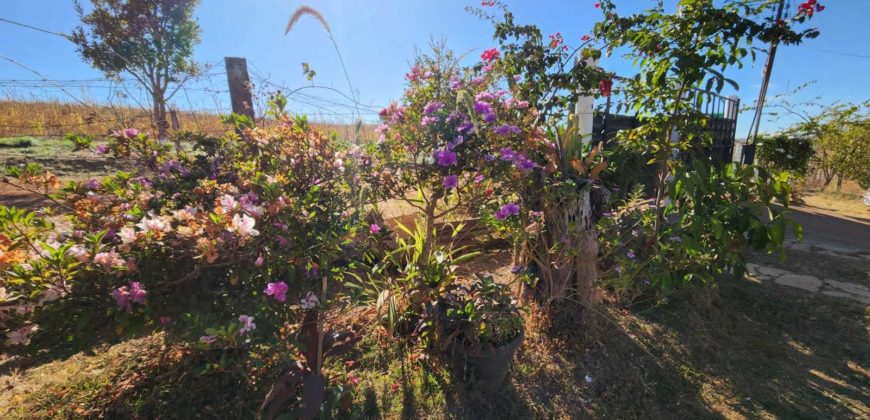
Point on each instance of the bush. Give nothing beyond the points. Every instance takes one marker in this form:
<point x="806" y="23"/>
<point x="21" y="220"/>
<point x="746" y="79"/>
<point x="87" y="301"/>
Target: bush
<point x="784" y="153"/>
<point x="216" y="244"/>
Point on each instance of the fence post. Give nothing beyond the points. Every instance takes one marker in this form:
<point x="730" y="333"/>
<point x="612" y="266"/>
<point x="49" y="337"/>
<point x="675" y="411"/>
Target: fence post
<point x="173" y="118"/>
<point x="583" y="110"/>
<point x="240" y="86"/>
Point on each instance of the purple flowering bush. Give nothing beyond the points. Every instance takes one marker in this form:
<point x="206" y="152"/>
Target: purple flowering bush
<point x="217" y="245"/>
<point x="456" y="141"/>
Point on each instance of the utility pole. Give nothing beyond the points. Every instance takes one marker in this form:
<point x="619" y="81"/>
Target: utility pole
<point x="768" y="68"/>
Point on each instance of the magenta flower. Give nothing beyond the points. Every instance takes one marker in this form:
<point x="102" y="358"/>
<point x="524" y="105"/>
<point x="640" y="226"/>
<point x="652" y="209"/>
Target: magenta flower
<point x="102" y="149"/>
<point x="375" y="229"/>
<point x="507" y="210"/>
<point x="259" y="261"/>
<point x="451" y="181"/>
<point x="507" y="129"/>
<point x="428" y="120"/>
<point x="508" y="154"/>
<point x="124" y="295"/>
<point x="489" y="55"/>
<point x="444" y="157"/>
<point x="129" y="133"/>
<point x="277" y="290"/>
<point x="433" y="107"/>
<point x="524" y="163"/>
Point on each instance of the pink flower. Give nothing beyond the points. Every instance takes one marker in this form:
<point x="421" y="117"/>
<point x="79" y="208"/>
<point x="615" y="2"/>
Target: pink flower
<point x="244" y="225"/>
<point x="228" y="202"/>
<point x="127" y="235"/>
<point x="102" y="149"/>
<point x="20" y="336"/>
<point x="433" y="107"/>
<point x="489" y="55"/>
<point x="208" y="339"/>
<point x="124" y="295"/>
<point x="450" y="182"/>
<point x="247" y="324"/>
<point x="277" y="290"/>
<point x="310" y="301"/>
<point x="130" y="132"/>
<point x="108" y="259"/>
<point x="259" y="261"/>
<point x="374" y="229"/>
<point x="78" y="252"/>
<point x="153" y="223"/>
<point x="585" y="38"/>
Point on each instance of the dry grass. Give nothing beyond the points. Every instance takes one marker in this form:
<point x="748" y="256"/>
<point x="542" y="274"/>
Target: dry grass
<point x="56" y="119"/>
<point x="758" y="351"/>
<point x="849" y="205"/>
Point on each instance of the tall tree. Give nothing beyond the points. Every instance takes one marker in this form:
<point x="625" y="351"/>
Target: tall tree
<point x="150" y="40"/>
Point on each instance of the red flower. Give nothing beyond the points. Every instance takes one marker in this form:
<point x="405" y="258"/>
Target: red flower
<point x="584" y="38"/>
<point x="597" y="5"/>
<point x="487" y="3"/>
<point x="394" y="387"/>
<point x="489" y="55"/>
<point x="605" y="86"/>
<point x="556" y="40"/>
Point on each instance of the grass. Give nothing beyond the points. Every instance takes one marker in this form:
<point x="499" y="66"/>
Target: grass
<point x="16" y="142"/>
<point x="752" y="351"/>
<point x="56" y="119"/>
<point x="849" y="205"/>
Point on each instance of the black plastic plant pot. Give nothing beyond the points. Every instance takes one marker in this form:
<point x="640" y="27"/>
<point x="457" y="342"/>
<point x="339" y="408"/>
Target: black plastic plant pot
<point x="486" y="368"/>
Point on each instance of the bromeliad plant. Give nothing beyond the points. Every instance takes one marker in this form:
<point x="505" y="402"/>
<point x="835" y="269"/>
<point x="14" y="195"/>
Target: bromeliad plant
<point x="482" y="316"/>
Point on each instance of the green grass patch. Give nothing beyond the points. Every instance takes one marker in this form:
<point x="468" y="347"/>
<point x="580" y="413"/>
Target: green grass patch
<point x="16" y="142"/>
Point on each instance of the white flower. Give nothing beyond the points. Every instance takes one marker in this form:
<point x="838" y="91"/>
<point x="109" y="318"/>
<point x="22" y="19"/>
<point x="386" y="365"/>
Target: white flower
<point x="247" y="324"/>
<point x="588" y="379"/>
<point x="127" y="235"/>
<point x="20" y="336"/>
<point x="244" y="225"/>
<point x="78" y="252"/>
<point x="310" y="301"/>
<point x="153" y="224"/>
<point x="228" y="202"/>
<point x="52" y="294"/>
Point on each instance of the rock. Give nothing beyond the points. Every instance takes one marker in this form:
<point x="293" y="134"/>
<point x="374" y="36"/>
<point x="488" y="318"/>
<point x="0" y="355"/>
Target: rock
<point x="808" y="283"/>
<point x="836" y="293"/>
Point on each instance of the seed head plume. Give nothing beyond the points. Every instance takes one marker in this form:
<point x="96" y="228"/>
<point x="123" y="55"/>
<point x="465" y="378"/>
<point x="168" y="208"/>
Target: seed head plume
<point x="307" y="10"/>
<point x="302" y="11"/>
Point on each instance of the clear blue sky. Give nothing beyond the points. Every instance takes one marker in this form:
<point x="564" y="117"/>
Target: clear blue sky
<point x="378" y="38"/>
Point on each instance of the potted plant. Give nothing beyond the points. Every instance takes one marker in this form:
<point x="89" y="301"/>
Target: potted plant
<point x="483" y="329"/>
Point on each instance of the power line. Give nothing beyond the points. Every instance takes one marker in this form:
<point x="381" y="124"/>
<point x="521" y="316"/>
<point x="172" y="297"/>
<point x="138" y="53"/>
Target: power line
<point x="24" y="25"/>
<point x="848" y="54"/>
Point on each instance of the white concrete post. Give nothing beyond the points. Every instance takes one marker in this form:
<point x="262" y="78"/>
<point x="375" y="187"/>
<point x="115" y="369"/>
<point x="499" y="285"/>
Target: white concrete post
<point x="583" y="110"/>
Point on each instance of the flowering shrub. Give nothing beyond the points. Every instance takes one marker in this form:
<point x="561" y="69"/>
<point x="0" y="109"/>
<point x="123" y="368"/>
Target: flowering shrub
<point x="230" y="231"/>
<point x="454" y="140"/>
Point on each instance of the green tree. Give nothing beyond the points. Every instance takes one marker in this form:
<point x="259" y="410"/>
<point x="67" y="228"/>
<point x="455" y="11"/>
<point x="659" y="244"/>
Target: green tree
<point x="150" y="40"/>
<point x="682" y="56"/>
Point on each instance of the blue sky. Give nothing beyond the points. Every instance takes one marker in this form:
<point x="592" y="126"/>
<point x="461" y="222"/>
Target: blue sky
<point x="378" y="38"/>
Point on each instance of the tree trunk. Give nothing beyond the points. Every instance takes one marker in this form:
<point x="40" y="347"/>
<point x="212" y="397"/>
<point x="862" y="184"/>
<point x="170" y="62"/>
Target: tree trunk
<point x="159" y="111"/>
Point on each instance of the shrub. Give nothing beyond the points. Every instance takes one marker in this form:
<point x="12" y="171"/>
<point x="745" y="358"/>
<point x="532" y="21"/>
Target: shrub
<point x="785" y="153"/>
<point x="218" y="243"/>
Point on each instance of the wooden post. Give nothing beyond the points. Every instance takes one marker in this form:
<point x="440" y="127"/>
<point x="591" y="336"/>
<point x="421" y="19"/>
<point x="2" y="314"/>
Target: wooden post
<point x="240" y="86"/>
<point x="173" y="118"/>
